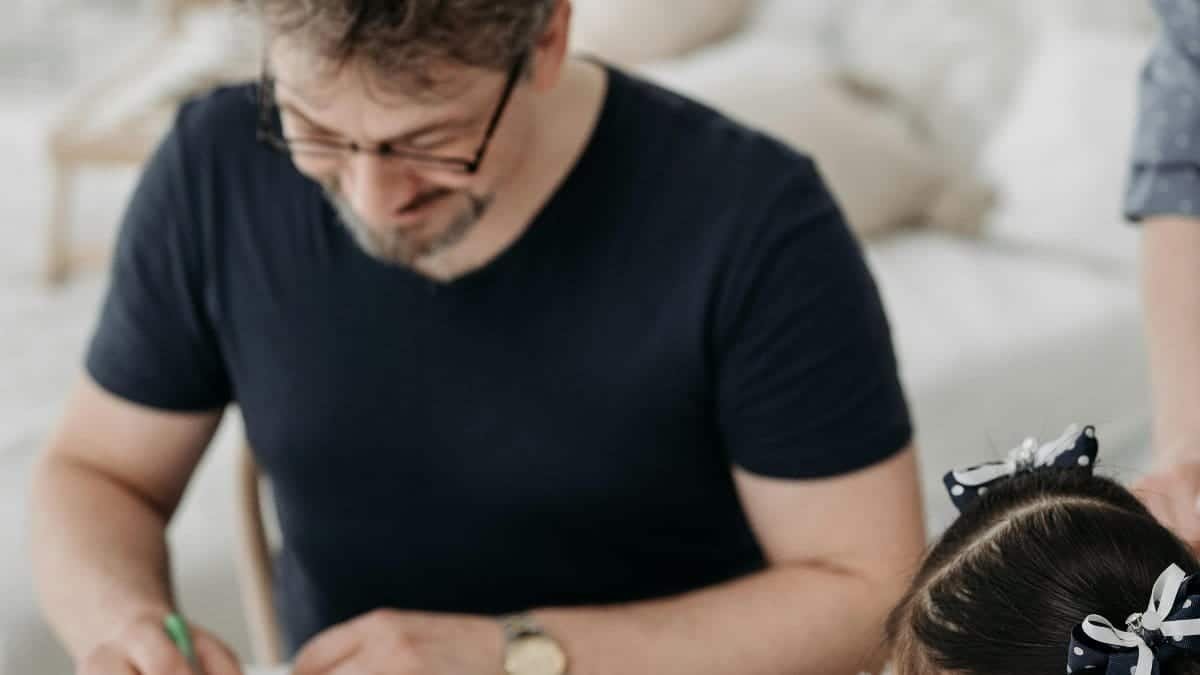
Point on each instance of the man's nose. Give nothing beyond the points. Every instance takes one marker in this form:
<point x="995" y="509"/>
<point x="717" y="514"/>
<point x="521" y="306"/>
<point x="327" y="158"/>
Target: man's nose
<point x="377" y="188"/>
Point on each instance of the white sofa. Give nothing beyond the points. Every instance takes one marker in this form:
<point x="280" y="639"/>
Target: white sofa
<point x="1030" y="327"/>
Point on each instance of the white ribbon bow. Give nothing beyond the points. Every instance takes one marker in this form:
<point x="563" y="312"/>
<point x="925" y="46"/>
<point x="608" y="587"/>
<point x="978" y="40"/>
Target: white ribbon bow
<point x="1162" y="601"/>
<point x="1023" y="458"/>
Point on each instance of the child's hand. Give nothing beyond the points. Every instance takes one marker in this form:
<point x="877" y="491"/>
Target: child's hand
<point x="1172" y="493"/>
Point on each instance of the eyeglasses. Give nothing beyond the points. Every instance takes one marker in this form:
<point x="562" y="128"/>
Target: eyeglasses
<point x="270" y="133"/>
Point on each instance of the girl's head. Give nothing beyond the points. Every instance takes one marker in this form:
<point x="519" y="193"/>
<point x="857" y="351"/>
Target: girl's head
<point x="1024" y="565"/>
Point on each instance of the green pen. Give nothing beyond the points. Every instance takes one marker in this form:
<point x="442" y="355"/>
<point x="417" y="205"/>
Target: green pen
<point x="177" y="630"/>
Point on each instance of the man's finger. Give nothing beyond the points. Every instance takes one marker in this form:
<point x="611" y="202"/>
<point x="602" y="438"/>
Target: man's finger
<point x="106" y="661"/>
<point x="326" y="651"/>
<point x="352" y="666"/>
<point x="215" y="657"/>
<point x="153" y="653"/>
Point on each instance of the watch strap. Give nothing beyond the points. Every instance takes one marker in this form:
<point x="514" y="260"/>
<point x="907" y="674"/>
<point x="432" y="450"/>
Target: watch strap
<point x="520" y="625"/>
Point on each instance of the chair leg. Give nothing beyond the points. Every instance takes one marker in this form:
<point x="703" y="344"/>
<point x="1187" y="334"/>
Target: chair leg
<point x="254" y="565"/>
<point x="57" y="263"/>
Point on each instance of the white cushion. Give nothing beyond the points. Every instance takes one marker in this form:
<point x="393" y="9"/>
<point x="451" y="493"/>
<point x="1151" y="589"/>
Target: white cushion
<point x="635" y="31"/>
<point x="952" y="64"/>
<point x="883" y="175"/>
<point x="1106" y="15"/>
<point x="811" y="23"/>
<point x="1060" y="158"/>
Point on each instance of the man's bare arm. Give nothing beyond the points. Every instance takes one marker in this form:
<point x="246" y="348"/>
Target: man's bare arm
<point x="103" y="492"/>
<point x="841" y="553"/>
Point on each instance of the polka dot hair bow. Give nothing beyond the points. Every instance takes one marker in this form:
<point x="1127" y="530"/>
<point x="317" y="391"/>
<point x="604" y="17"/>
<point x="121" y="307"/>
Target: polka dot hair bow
<point x="1169" y="628"/>
<point x="1074" y="448"/>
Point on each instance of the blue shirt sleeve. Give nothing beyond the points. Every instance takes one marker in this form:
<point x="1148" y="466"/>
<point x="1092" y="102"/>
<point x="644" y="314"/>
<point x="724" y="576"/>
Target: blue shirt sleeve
<point x="1165" y="168"/>
<point x="155" y="344"/>
<point x="808" y="380"/>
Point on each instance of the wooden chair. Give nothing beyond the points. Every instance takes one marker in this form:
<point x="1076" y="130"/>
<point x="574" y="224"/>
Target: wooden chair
<point x="254" y="564"/>
<point x="75" y="143"/>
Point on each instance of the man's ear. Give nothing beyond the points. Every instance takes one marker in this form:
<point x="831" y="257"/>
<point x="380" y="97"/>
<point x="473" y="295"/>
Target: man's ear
<point x="550" y="49"/>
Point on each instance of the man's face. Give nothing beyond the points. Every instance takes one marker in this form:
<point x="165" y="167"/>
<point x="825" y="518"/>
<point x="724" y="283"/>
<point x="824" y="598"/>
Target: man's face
<point x="399" y="210"/>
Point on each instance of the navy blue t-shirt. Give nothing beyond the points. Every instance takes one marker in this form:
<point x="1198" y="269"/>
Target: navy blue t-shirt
<point x="556" y="428"/>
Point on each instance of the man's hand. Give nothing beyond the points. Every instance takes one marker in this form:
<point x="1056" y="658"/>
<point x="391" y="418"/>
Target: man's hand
<point x="1172" y="493"/>
<point x="143" y="648"/>
<point x="405" y="643"/>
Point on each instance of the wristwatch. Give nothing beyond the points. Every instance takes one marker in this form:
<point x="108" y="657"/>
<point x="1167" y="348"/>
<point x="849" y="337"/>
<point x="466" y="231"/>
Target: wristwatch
<point x="528" y="650"/>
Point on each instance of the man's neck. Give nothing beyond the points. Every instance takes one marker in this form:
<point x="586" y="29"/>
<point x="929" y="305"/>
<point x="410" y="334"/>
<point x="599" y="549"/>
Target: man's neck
<point x="565" y="121"/>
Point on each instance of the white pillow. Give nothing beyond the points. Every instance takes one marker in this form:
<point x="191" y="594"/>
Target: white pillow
<point x="883" y="175"/>
<point x="1109" y="15"/>
<point x="634" y="31"/>
<point x="811" y="23"/>
<point x="953" y="65"/>
<point x="1060" y="158"/>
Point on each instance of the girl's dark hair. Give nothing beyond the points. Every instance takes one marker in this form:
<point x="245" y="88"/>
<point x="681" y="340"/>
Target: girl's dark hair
<point x="1001" y="591"/>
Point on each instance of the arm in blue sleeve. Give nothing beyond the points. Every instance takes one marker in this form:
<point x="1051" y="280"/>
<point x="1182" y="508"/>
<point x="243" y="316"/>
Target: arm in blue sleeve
<point x="1165" y="163"/>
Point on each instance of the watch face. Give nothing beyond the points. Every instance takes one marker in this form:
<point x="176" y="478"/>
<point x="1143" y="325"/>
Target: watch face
<point x="535" y="655"/>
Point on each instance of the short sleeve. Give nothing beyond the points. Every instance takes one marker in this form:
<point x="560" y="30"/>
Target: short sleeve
<point x="808" y="382"/>
<point x="154" y="343"/>
<point x="1165" y="169"/>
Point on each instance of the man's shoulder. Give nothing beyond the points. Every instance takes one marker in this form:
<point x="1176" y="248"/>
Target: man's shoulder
<point x="707" y="149"/>
<point x="214" y="142"/>
<point x="210" y="168"/>
<point x="222" y="116"/>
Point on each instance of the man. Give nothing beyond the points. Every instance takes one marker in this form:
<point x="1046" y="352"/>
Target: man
<point x="1164" y="195"/>
<point x="512" y="334"/>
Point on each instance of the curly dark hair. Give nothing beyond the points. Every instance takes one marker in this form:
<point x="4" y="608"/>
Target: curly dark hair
<point x="401" y="39"/>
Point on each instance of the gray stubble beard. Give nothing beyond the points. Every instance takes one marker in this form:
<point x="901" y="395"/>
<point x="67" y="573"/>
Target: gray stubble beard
<point x="394" y="249"/>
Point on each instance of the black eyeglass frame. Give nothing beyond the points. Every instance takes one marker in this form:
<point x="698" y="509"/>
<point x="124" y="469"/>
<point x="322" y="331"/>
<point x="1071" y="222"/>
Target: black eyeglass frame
<point x="266" y="132"/>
